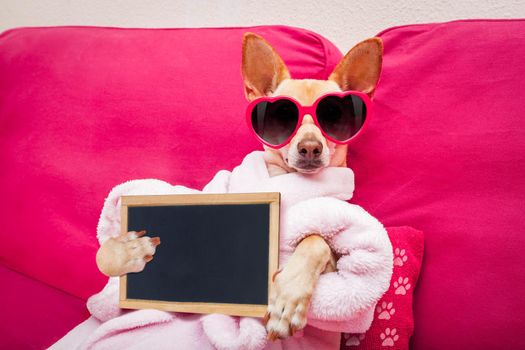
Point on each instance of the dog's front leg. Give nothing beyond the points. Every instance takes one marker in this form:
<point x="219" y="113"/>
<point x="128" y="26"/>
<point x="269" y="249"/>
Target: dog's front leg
<point x="294" y="285"/>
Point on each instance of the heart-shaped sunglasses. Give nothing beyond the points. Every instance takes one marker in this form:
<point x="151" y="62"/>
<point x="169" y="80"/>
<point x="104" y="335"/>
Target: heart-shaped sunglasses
<point x="341" y="117"/>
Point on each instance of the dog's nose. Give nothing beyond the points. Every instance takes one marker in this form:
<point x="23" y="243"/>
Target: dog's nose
<point x="310" y="149"/>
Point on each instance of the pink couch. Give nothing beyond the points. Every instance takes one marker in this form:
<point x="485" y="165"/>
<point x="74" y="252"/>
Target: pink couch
<point x="82" y="109"/>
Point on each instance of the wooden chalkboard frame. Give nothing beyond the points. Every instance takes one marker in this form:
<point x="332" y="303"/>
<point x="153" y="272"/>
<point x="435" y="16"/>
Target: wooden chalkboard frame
<point x="271" y="198"/>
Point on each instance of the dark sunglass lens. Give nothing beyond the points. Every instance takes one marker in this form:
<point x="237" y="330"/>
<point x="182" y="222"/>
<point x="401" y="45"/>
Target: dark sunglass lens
<point x="341" y="117"/>
<point x="275" y="122"/>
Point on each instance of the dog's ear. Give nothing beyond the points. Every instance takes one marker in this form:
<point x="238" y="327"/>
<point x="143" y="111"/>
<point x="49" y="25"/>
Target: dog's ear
<point x="360" y="68"/>
<point x="262" y="68"/>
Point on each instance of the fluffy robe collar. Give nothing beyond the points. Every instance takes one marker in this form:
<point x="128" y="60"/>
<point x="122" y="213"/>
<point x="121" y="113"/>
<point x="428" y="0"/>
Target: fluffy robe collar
<point x="252" y="176"/>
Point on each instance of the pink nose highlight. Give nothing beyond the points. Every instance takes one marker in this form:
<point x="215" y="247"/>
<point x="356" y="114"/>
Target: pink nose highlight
<point x="310" y="148"/>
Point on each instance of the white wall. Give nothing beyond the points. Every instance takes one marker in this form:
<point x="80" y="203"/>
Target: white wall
<point x="345" y="22"/>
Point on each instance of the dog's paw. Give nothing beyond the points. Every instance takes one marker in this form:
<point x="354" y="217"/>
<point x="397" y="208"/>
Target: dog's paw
<point x="126" y="253"/>
<point x="139" y="250"/>
<point x="288" y="305"/>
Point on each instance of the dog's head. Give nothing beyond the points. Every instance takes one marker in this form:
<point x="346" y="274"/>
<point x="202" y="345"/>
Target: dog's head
<point x="265" y="74"/>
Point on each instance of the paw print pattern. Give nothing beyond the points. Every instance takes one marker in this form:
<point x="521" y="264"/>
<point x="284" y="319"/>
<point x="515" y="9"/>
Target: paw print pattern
<point x="400" y="257"/>
<point x="353" y="339"/>
<point x="389" y="337"/>
<point x="401" y="286"/>
<point x="385" y="310"/>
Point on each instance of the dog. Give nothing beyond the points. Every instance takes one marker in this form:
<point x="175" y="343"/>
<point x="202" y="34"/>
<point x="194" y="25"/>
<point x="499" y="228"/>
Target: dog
<point x="308" y="151"/>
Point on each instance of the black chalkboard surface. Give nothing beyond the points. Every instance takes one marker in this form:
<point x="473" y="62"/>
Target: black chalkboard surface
<point x="218" y="252"/>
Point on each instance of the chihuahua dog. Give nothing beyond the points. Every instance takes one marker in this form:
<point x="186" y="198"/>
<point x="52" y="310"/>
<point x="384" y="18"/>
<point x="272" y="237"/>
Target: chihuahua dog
<point x="308" y="151"/>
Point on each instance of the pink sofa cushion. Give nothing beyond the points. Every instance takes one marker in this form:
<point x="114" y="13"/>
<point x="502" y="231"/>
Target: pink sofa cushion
<point x="83" y="109"/>
<point x="445" y="153"/>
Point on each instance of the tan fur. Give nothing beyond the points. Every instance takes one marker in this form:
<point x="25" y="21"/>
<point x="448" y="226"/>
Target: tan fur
<point x="361" y="67"/>
<point x="265" y="74"/>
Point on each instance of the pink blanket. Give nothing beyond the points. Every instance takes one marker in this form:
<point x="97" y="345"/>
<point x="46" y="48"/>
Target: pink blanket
<point x="343" y="301"/>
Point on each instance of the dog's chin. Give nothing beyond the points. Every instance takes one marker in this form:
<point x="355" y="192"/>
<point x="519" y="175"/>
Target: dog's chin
<point x="308" y="168"/>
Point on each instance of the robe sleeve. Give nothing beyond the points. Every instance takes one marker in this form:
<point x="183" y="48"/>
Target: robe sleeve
<point x="344" y="300"/>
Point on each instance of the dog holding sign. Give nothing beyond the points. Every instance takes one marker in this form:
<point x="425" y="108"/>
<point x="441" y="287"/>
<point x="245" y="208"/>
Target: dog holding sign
<point x="336" y="258"/>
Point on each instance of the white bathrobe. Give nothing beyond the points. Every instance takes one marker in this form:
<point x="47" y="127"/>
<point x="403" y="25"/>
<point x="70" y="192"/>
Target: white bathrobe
<point x="343" y="301"/>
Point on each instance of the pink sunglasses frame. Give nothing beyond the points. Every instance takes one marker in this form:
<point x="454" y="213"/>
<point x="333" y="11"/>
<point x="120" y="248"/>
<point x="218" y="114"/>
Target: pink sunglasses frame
<point x="303" y="110"/>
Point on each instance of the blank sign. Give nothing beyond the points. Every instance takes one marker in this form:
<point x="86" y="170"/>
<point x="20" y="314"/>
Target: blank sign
<point x="217" y="252"/>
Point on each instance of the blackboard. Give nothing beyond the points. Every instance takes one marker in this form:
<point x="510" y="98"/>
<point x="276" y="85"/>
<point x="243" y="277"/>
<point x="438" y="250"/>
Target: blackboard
<point x="217" y="253"/>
